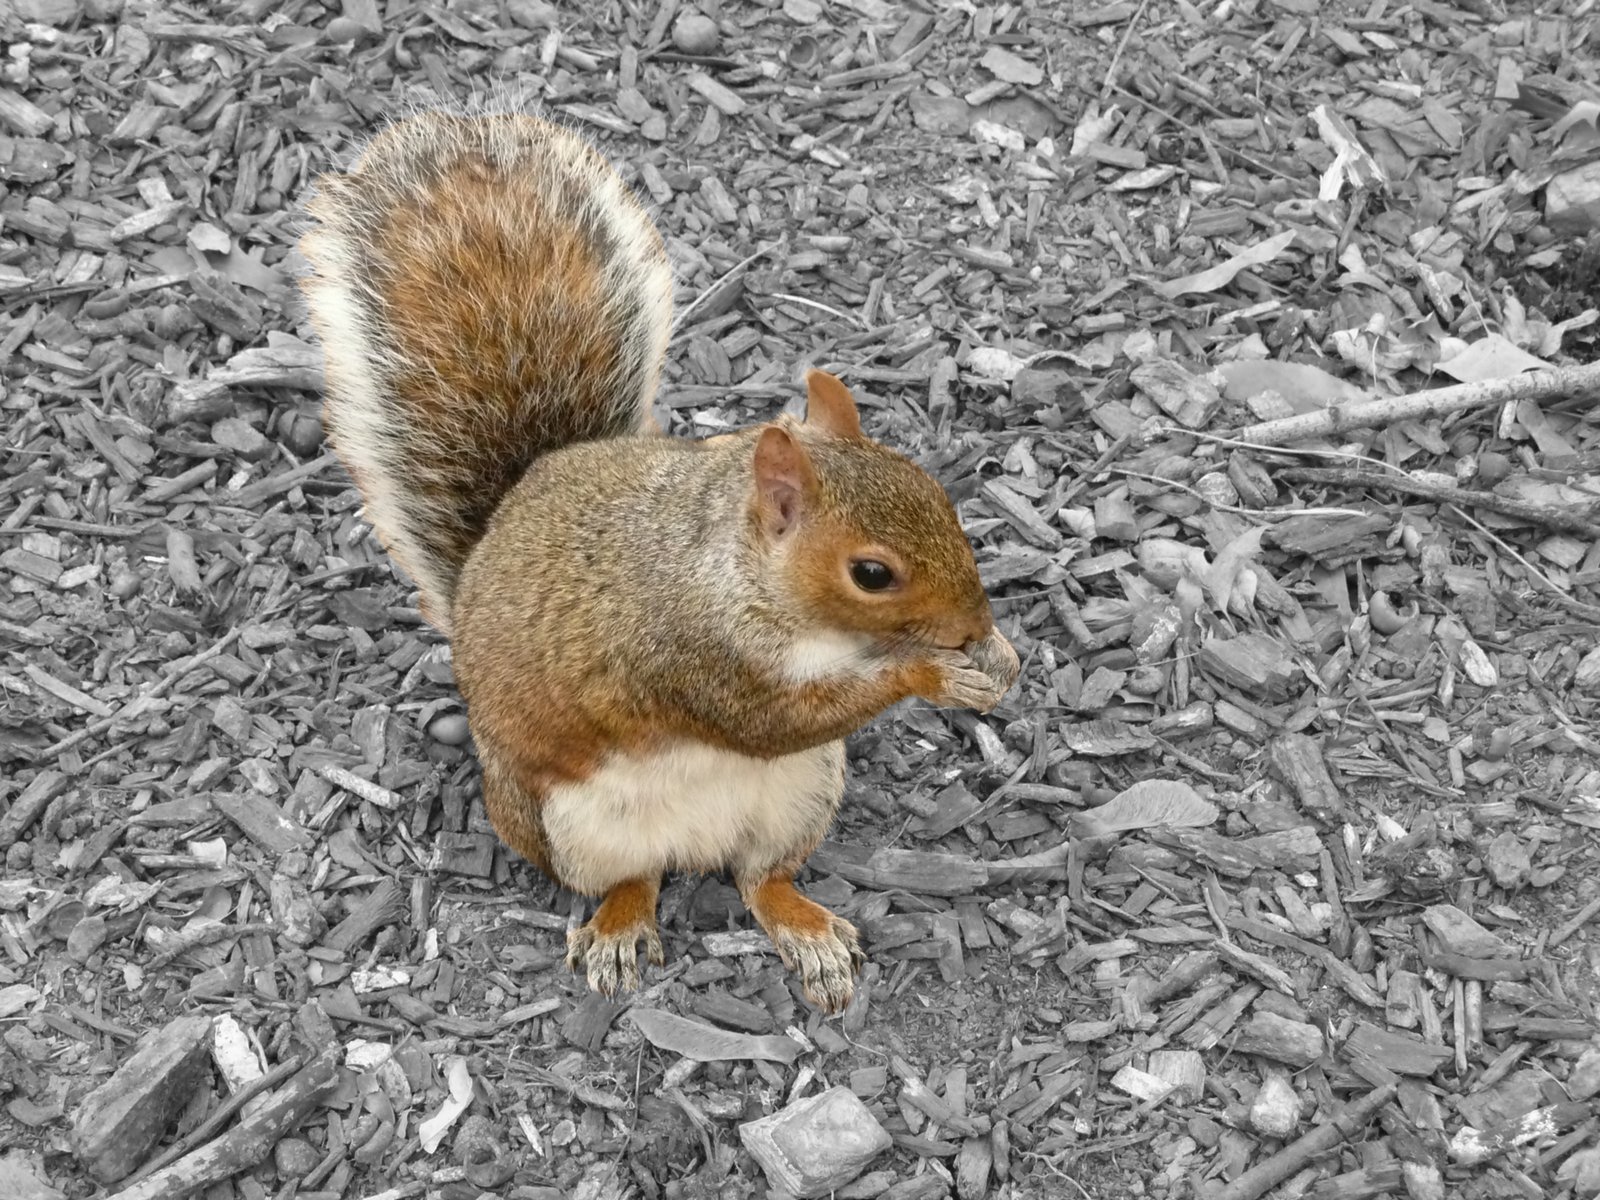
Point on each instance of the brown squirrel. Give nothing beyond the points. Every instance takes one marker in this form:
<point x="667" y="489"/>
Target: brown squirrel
<point x="661" y="643"/>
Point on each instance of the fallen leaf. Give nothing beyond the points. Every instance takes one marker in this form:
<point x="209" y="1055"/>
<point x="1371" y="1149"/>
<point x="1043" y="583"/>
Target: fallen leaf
<point x="1148" y="802"/>
<point x="1223" y="273"/>
<point x="1491" y="357"/>
<point x="706" y="1043"/>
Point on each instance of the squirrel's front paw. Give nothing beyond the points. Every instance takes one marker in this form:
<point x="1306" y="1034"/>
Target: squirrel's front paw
<point x="997" y="658"/>
<point x="606" y="947"/>
<point x="977" y="676"/>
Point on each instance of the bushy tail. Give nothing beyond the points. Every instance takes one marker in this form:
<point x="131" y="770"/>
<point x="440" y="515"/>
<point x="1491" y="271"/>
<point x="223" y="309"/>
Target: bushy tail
<point x="486" y="290"/>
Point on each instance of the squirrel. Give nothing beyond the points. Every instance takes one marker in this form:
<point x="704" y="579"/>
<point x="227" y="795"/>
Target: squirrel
<point x="661" y="643"/>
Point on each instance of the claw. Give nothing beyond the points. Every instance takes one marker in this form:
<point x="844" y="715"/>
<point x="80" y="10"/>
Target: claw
<point x="822" y="949"/>
<point x="606" y="947"/>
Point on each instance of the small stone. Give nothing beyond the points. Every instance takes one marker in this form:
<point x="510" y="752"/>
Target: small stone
<point x="1585" y="1172"/>
<point x="1038" y="389"/>
<point x="695" y="33"/>
<point x="243" y="438"/>
<point x="1508" y="861"/>
<point x="948" y="115"/>
<point x="1204" y="1131"/>
<point x="817" y="1144"/>
<point x="1584" y="1081"/>
<point x="87" y="936"/>
<point x="1572" y="201"/>
<point x="344" y="29"/>
<point x="1587" y="675"/>
<point x="295" y="1158"/>
<point x="531" y="14"/>
<point x="449" y="728"/>
<point x="1275" y="1112"/>
<point x="1011" y="68"/>
<point x="59" y="13"/>
<point x="22" y="1177"/>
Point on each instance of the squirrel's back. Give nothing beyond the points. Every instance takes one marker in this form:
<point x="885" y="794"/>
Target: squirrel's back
<point x="487" y="290"/>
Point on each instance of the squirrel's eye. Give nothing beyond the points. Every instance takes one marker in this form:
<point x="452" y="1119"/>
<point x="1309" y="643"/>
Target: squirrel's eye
<point x="870" y="575"/>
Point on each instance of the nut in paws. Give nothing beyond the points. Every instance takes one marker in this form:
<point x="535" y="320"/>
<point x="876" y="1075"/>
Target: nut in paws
<point x="963" y="683"/>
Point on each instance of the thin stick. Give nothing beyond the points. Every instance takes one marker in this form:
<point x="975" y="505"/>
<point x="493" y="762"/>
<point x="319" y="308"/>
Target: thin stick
<point x="1585" y="914"/>
<point x="1587" y="611"/>
<point x="682" y="322"/>
<point x="1111" y="69"/>
<point x="1568" y="521"/>
<point x="1371" y="414"/>
<point x="1255" y="1182"/>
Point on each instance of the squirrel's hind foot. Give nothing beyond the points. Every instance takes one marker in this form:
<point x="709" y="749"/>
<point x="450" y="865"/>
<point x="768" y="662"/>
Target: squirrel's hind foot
<point x="819" y="947"/>
<point x="606" y="947"/>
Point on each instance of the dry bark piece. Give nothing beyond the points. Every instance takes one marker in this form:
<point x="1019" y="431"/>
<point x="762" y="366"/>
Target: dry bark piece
<point x="29" y="807"/>
<point x="247" y="1143"/>
<point x="1460" y="934"/>
<point x="1252" y="662"/>
<point x="1297" y="760"/>
<point x="118" y="1122"/>
<point x="912" y="870"/>
<point x="1281" y="1039"/>
<point x="1387" y="1053"/>
<point x="262" y="822"/>
<point x="817" y="1144"/>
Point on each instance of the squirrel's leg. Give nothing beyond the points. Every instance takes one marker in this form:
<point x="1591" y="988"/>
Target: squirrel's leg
<point x="819" y="947"/>
<point x="513" y="812"/>
<point x="606" y="947"/>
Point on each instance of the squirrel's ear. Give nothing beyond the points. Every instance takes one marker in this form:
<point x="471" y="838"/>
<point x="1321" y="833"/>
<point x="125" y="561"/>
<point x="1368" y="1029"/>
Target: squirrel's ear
<point x="830" y="406"/>
<point x="784" y="480"/>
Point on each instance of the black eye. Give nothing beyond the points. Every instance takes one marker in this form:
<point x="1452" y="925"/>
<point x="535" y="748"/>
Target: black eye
<point x="870" y="575"/>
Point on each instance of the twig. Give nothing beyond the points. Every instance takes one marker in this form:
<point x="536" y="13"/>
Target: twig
<point x="1238" y="155"/>
<point x="1113" y="452"/>
<point x="1566" y="520"/>
<point x="1111" y="68"/>
<point x="1265" y="514"/>
<point x="170" y="675"/>
<point x="682" y="322"/>
<point x="247" y="1143"/>
<point x="1255" y="1182"/>
<point x="1577" y="607"/>
<point x="1370" y="414"/>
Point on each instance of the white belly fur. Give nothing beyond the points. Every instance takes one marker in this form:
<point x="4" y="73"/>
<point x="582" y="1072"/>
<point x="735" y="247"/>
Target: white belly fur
<point x="691" y="807"/>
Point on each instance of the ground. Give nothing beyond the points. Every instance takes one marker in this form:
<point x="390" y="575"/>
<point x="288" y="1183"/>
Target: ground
<point x="1292" y="811"/>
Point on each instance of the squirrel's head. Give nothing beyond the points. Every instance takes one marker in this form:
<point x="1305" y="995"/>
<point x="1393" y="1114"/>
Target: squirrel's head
<point x="867" y="541"/>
